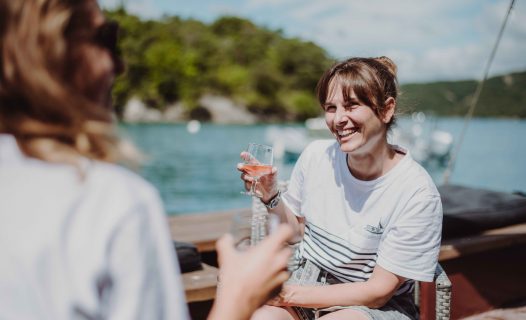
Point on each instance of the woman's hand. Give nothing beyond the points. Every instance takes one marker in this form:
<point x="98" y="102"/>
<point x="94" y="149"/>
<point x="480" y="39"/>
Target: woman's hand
<point x="285" y="297"/>
<point x="247" y="278"/>
<point x="267" y="186"/>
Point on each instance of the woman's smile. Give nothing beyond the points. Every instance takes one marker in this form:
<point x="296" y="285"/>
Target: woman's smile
<point x="346" y="134"/>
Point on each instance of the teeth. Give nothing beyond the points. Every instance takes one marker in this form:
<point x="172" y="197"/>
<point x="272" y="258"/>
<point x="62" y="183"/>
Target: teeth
<point x="345" y="133"/>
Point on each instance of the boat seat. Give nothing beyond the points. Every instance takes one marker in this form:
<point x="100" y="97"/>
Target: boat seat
<point x="443" y="289"/>
<point x="469" y="211"/>
<point x="188" y="256"/>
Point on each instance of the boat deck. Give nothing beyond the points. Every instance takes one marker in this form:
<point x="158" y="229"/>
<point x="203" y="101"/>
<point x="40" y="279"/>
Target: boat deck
<point x="204" y="229"/>
<point x="474" y="264"/>
<point x="501" y="314"/>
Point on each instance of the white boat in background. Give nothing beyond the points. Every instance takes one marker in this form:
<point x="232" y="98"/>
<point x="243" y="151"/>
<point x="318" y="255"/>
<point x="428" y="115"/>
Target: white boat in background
<point x="425" y="142"/>
<point x="317" y="128"/>
<point x="288" y="143"/>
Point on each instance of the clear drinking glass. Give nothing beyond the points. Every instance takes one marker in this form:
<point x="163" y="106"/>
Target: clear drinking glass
<point x="249" y="229"/>
<point x="257" y="164"/>
<point x="241" y="230"/>
<point x="246" y="227"/>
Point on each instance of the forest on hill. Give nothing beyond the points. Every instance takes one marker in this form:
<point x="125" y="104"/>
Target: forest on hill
<point x="173" y="60"/>
<point x="502" y="96"/>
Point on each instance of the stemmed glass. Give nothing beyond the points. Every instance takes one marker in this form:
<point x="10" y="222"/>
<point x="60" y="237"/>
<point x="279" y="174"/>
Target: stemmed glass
<point x="246" y="230"/>
<point x="257" y="163"/>
<point x="241" y="230"/>
<point x="249" y="229"/>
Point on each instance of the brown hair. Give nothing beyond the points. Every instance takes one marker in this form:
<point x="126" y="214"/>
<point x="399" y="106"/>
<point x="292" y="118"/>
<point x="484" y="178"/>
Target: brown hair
<point x="373" y="80"/>
<point x="50" y="119"/>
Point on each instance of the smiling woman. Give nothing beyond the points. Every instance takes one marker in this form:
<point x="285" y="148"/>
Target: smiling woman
<point x="369" y="217"/>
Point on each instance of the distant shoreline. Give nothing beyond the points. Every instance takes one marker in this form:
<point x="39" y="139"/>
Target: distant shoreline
<point x="184" y="122"/>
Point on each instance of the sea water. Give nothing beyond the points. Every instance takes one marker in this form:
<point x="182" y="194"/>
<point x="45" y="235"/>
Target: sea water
<point x="196" y="172"/>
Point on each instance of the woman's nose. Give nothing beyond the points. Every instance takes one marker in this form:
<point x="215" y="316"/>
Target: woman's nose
<point x="339" y="116"/>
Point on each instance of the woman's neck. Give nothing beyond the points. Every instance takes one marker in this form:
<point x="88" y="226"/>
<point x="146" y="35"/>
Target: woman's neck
<point x="374" y="163"/>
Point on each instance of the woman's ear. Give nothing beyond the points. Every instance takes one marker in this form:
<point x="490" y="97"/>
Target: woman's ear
<point x="389" y="110"/>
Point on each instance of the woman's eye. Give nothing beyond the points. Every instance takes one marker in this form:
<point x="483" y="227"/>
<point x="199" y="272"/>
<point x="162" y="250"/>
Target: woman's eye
<point x="330" y="109"/>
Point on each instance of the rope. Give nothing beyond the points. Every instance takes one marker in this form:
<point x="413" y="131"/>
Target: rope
<point x="474" y="101"/>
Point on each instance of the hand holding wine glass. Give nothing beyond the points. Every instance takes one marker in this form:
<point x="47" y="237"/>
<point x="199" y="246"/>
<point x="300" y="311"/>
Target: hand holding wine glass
<point x="257" y="162"/>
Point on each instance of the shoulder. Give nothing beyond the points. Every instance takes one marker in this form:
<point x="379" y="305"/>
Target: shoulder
<point x="416" y="181"/>
<point x="321" y="147"/>
<point x="322" y="144"/>
<point x="425" y="186"/>
<point x="119" y="182"/>
<point x="419" y="195"/>
<point x="413" y="189"/>
<point x="91" y="175"/>
<point x="317" y="153"/>
<point x="113" y="196"/>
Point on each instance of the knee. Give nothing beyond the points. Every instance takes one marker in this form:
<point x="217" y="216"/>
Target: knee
<point x="345" y="314"/>
<point x="269" y="312"/>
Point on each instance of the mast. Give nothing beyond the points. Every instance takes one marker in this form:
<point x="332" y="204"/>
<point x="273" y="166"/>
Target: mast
<point x="474" y="101"/>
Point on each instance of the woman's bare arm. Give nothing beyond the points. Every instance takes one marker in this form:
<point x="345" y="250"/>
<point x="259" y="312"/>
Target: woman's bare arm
<point x="373" y="293"/>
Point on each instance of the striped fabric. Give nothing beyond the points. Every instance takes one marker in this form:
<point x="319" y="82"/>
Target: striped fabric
<point x="335" y="255"/>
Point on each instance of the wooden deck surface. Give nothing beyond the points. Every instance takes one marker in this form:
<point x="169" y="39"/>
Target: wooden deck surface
<point x="204" y="229"/>
<point x="488" y="240"/>
<point x="200" y="285"/>
<point x="501" y="314"/>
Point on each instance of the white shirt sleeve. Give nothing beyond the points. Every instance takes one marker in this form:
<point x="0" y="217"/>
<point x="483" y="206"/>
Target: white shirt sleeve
<point x="143" y="266"/>
<point x="410" y="247"/>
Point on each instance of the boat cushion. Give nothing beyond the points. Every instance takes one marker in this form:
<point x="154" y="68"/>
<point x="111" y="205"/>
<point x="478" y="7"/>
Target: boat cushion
<point x="471" y="211"/>
<point x="188" y="257"/>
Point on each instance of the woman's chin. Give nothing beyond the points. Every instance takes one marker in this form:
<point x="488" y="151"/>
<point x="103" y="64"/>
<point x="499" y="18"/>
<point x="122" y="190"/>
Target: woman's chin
<point x="347" y="147"/>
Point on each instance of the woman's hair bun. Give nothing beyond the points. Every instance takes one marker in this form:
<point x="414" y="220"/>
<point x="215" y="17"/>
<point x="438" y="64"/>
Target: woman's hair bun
<point x="388" y="63"/>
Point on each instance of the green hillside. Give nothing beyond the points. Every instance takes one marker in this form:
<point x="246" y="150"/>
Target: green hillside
<point x="502" y="96"/>
<point x="174" y="59"/>
<point x="179" y="60"/>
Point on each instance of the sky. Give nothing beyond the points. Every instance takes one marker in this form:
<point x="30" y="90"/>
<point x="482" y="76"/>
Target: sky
<point x="429" y="40"/>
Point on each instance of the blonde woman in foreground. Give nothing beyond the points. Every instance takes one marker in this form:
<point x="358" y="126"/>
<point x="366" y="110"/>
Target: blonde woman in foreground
<point x="82" y="237"/>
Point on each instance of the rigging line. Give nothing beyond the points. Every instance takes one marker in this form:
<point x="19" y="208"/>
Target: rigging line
<point x="474" y="101"/>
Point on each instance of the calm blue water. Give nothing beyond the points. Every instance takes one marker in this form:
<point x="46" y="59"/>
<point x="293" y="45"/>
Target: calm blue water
<point x="197" y="172"/>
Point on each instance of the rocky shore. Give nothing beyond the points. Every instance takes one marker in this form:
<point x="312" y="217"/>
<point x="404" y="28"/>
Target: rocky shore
<point x="216" y="109"/>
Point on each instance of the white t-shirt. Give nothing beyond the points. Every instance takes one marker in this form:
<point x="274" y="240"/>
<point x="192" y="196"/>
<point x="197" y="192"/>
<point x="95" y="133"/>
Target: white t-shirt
<point x="394" y="221"/>
<point x="92" y="248"/>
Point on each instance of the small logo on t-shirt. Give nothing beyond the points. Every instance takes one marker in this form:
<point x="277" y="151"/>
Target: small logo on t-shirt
<point x="372" y="229"/>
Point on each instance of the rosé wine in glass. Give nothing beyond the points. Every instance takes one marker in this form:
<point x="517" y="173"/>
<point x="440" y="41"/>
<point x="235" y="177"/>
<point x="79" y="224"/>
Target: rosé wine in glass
<point x="257" y="163"/>
<point x="257" y="170"/>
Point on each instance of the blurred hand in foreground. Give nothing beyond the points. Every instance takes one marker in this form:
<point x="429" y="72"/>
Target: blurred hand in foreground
<point x="248" y="278"/>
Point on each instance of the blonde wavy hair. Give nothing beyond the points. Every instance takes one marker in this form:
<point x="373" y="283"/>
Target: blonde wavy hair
<point x="50" y="119"/>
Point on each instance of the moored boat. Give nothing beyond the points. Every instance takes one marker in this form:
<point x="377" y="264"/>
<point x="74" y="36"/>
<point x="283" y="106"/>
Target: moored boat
<point x="426" y="142"/>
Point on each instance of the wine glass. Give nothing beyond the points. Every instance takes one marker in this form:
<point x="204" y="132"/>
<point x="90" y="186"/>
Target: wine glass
<point x="241" y="230"/>
<point x="249" y="229"/>
<point x="257" y="163"/>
